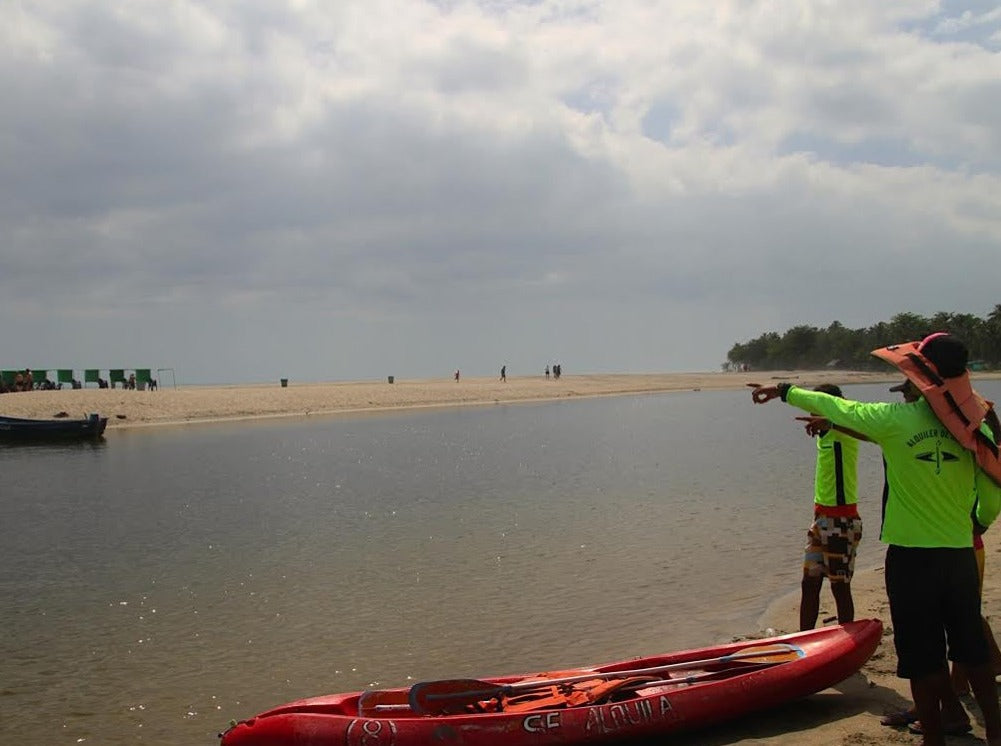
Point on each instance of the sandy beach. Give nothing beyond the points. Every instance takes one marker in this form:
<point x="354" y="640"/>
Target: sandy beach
<point x="187" y="404"/>
<point x="849" y="714"/>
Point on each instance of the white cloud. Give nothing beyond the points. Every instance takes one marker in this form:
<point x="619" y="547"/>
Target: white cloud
<point x="195" y="184"/>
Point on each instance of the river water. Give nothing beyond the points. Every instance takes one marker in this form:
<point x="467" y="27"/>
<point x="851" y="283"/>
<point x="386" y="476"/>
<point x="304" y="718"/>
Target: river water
<point x="169" y="579"/>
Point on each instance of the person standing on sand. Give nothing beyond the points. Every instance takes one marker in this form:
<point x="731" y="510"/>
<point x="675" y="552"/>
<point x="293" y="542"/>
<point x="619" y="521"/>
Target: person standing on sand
<point x="935" y="491"/>
<point x="954" y="717"/>
<point x="960" y="684"/>
<point x="834" y="536"/>
<point x="504" y="373"/>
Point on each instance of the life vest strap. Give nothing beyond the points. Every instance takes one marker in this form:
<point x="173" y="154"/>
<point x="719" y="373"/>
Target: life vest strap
<point x="927" y="370"/>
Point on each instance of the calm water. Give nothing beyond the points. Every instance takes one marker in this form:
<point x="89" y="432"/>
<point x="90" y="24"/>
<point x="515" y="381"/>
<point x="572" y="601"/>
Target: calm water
<point x="158" y="584"/>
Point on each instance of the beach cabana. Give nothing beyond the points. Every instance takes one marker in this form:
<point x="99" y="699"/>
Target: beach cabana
<point x="91" y="375"/>
<point x="64" y="375"/>
<point x="39" y="375"/>
<point x="9" y="376"/>
<point x="143" y="377"/>
<point x="116" y="375"/>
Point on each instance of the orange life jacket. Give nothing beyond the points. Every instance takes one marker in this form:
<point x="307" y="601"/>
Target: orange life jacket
<point x="591" y="692"/>
<point x="954" y="402"/>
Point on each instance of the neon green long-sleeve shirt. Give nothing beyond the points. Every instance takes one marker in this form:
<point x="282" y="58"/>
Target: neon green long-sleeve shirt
<point x="836" y="478"/>
<point x="933" y="484"/>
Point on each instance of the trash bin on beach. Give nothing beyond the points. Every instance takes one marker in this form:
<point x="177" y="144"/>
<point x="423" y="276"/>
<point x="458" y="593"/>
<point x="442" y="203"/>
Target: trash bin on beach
<point x="391" y="379"/>
<point x="284" y="383"/>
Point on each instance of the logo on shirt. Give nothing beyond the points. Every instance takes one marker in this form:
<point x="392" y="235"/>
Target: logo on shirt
<point x="937" y="457"/>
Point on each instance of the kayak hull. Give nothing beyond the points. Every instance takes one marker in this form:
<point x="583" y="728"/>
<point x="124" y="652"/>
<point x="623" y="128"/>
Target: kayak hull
<point x="826" y="657"/>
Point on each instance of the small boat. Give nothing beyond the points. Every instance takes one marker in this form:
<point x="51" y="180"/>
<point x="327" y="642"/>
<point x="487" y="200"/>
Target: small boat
<point x="18" y="430"/>
<point x="637" y="698"/>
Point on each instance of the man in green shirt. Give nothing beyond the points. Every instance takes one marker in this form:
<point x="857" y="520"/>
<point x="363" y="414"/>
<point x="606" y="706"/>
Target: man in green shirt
<point x="935" y="497"/>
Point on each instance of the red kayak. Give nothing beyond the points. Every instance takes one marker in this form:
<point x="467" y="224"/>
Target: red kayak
<point x="641" y="697"/>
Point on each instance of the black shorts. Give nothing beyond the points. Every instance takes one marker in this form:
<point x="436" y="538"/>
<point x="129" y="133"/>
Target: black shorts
<point x="934" y="601"/>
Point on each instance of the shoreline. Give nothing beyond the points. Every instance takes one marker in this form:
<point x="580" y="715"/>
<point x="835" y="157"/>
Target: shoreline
<point x="234" y="403"/>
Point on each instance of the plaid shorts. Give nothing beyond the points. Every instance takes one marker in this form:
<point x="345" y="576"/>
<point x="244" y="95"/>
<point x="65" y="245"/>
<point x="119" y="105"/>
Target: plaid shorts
<point x="831" y="547"/>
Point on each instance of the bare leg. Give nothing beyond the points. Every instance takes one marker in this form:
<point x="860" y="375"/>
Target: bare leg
<point x="960" y="684"/>
<point x="928" y="692"/>
<point x="843" y="599"/>
<point x="992" y="646"/>
<point x="953" y="712"/>
<point x="809" y="602"/>
<point x="986" y="692"/>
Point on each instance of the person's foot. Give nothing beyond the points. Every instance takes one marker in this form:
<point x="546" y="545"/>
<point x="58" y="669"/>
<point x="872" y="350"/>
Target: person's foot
<point x="958" y="728"/>
<point x="899" y="719"/>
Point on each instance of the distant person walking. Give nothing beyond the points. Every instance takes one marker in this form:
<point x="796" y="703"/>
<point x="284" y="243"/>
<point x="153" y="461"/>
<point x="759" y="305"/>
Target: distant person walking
<point x="547" y="372"/>
<point x="456" y="376"/>
<point x="504" y="373"/>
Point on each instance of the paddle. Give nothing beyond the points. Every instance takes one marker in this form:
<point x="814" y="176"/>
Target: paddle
<point x="377" y="703"/>
<point x="452" y="696"/>
<point x="723" y="673"/>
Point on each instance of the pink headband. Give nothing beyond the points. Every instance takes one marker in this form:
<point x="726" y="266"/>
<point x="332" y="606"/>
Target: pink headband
<point x="929" y="338"/>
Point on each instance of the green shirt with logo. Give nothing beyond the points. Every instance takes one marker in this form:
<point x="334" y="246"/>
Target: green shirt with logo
<point x="933" y="484"/>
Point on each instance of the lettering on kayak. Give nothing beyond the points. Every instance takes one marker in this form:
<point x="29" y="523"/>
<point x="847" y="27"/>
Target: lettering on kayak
<point x="365" y="732"/>
<point x="665" y="705"/>
<point x="541" y="722"/>
<point x="621" y="715"/>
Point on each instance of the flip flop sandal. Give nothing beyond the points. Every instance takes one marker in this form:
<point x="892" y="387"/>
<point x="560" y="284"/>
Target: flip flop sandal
<point x="899" y="719"/>
<point x="954" y="729"/>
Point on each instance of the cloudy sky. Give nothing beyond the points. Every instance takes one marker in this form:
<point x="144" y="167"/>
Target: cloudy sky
<point x="346" y="189"/>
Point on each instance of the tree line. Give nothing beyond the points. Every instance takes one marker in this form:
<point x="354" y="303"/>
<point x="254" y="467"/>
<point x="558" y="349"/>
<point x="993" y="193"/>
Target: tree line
<point x="808" y="347"/>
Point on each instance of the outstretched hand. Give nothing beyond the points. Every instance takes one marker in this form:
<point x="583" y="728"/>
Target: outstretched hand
<point x="762" y="394"/>
<point x="815" y="424"/>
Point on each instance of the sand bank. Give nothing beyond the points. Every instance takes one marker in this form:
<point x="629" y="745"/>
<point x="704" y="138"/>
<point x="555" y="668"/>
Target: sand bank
<point x="209" y="403"/>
